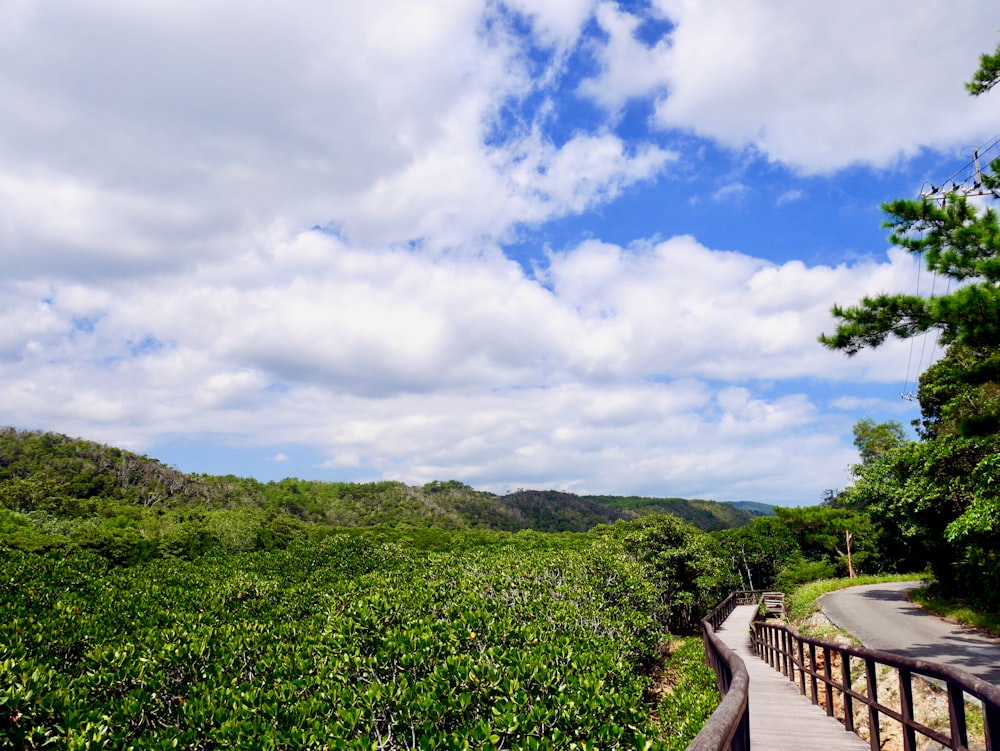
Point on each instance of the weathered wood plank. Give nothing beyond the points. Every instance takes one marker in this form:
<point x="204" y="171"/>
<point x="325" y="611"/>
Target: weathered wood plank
<point x="780" y="717"/>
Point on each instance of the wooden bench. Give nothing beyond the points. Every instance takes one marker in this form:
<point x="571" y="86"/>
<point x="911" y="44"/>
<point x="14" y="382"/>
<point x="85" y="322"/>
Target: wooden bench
<point x="774" y="603"/>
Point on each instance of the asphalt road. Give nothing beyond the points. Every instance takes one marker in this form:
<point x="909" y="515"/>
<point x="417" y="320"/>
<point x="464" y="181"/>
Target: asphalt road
<point x="880" y="617"/>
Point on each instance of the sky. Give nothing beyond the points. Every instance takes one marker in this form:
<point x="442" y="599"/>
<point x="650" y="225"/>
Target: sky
<point x="557" y="244"/>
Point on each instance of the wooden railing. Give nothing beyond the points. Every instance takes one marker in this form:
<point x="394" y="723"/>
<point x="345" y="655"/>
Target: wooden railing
<point x="810" y="663"/>
<point x="729" y="726"/>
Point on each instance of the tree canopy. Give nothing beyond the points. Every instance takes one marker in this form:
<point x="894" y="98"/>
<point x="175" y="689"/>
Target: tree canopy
<point x="935" y="501"/>
<point x="988" y="74"/>
<point x="958" y="241"/>
<point x="876" y="439"/>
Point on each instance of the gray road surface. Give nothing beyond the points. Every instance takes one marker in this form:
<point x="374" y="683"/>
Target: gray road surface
<point x="880" y="617"/>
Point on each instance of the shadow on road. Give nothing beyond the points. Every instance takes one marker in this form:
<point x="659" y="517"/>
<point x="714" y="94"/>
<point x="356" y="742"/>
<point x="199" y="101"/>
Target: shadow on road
<point x="887" y="595"/>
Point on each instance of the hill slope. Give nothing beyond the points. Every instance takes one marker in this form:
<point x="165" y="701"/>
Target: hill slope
<point x="706" y="515"/>
<point x="69" y="485"/>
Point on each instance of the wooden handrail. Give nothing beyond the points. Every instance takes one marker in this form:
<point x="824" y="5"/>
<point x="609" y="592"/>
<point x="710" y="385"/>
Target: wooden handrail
<point x="729" y="726"/>
<point x="796" y="656"/>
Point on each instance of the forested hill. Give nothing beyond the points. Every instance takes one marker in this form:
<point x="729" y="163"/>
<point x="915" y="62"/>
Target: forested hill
<point x="707" y="515"/>
<point x="63" y="485"/>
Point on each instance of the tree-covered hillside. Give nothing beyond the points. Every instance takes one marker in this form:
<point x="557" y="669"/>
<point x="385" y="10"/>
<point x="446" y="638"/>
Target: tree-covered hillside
<point x="57" y="491"/>
<point x="150" y="609"/>
<point x="710" y="516"/>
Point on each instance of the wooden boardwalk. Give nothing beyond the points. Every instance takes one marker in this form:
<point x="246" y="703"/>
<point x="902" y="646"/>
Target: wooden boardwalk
<point x="782" y="719"/>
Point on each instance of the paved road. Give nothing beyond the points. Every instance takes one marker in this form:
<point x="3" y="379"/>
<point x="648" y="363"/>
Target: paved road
<point x="880" y="617"/>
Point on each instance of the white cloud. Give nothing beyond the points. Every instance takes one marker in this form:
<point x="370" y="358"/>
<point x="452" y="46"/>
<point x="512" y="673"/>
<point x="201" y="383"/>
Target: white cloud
<point x="731" y="193"/>
<point x="422" y="365"/>
<point x="679" y="308"/>
<point x="874" y="405"/>
<point x="790" y="196"/>
<point x="458" y="190"/>
<point x="558" y="22"/>
<point x="629" y="68"/>
<point x="164" y="162"/>
<point x="817" y="86"/>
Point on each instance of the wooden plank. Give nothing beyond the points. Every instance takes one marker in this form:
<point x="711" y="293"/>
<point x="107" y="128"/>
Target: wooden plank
<point x="781" y="718"/>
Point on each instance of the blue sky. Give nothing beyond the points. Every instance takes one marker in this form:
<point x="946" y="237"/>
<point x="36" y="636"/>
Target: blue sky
<point x="559" y="244"/>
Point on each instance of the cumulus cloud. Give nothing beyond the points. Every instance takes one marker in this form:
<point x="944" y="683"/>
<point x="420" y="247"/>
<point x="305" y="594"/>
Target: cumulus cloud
<point x="816" y="86"/>
<point x="421" y="366"/>
<point x="125" y="155"/>
<point x="628" y="68"/>
<point x="288" y="223"/>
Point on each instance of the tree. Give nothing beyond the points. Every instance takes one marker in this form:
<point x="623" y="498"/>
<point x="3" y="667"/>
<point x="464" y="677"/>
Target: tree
<point x="687" y="566"/>
<point x="958" y="242"/>
<point x="758" y="551"/>
<point x="958" y="397"/>
<point x="987" y="76"/>
<point x="874" y="440"/>
<point x="819" y="533"/>
<point x="934" y="502"/>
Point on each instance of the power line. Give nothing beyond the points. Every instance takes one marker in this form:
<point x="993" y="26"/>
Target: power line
<point x="971" y="183"/>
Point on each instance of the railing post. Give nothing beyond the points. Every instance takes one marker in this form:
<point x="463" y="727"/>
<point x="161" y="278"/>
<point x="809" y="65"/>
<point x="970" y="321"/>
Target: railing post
<point x="845" y="676"/>
<point x="801" y="654"/>
<point x="956" y="715"/>
<point x="991" y="720"/>
<point x="812" y="674"/>
<point x="741" y="741"/>
<point x="786" y="648"/>
<point x="871" y="678"/>
<point x="790" y="651"/>
<point x="828" y="683"/>
<point x="906" y="709"/>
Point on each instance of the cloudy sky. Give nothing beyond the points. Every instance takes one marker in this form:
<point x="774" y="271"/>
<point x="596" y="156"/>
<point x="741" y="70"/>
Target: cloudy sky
<point x="549" y="243"/>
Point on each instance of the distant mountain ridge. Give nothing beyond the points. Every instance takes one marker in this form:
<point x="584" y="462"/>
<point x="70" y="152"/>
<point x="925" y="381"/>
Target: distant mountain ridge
<point x="706" y="515"/>
<point x="75" y="478"/>
<point x="754" y="507"/>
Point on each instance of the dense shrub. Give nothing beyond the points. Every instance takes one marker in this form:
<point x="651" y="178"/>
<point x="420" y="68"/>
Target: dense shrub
<point x="334" y="644"/>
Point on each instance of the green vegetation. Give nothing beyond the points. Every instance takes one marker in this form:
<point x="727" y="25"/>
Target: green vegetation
<point x="691" y="696"/>
<point x="707" y="515"/>
<point x="338" y="644"/>
<point x="936" y="501"/>
<point x="957" y="609"/>
<point x="58" y="492"/>
<point x="344" y="642"/>
<point x="149" y="609"/>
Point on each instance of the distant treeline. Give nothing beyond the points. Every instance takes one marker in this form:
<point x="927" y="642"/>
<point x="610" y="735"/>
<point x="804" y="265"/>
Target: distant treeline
<point x="58" y="491"/>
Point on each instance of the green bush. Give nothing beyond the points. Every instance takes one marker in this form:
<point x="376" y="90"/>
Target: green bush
<point x="799" y="571"/>
<point x="693" y="697"/>
<point x="329" y="644"/>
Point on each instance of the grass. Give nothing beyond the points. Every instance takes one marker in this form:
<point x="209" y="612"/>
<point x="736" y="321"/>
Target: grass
<point x="802" y="602"/>
<point x="956" y="609"/>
